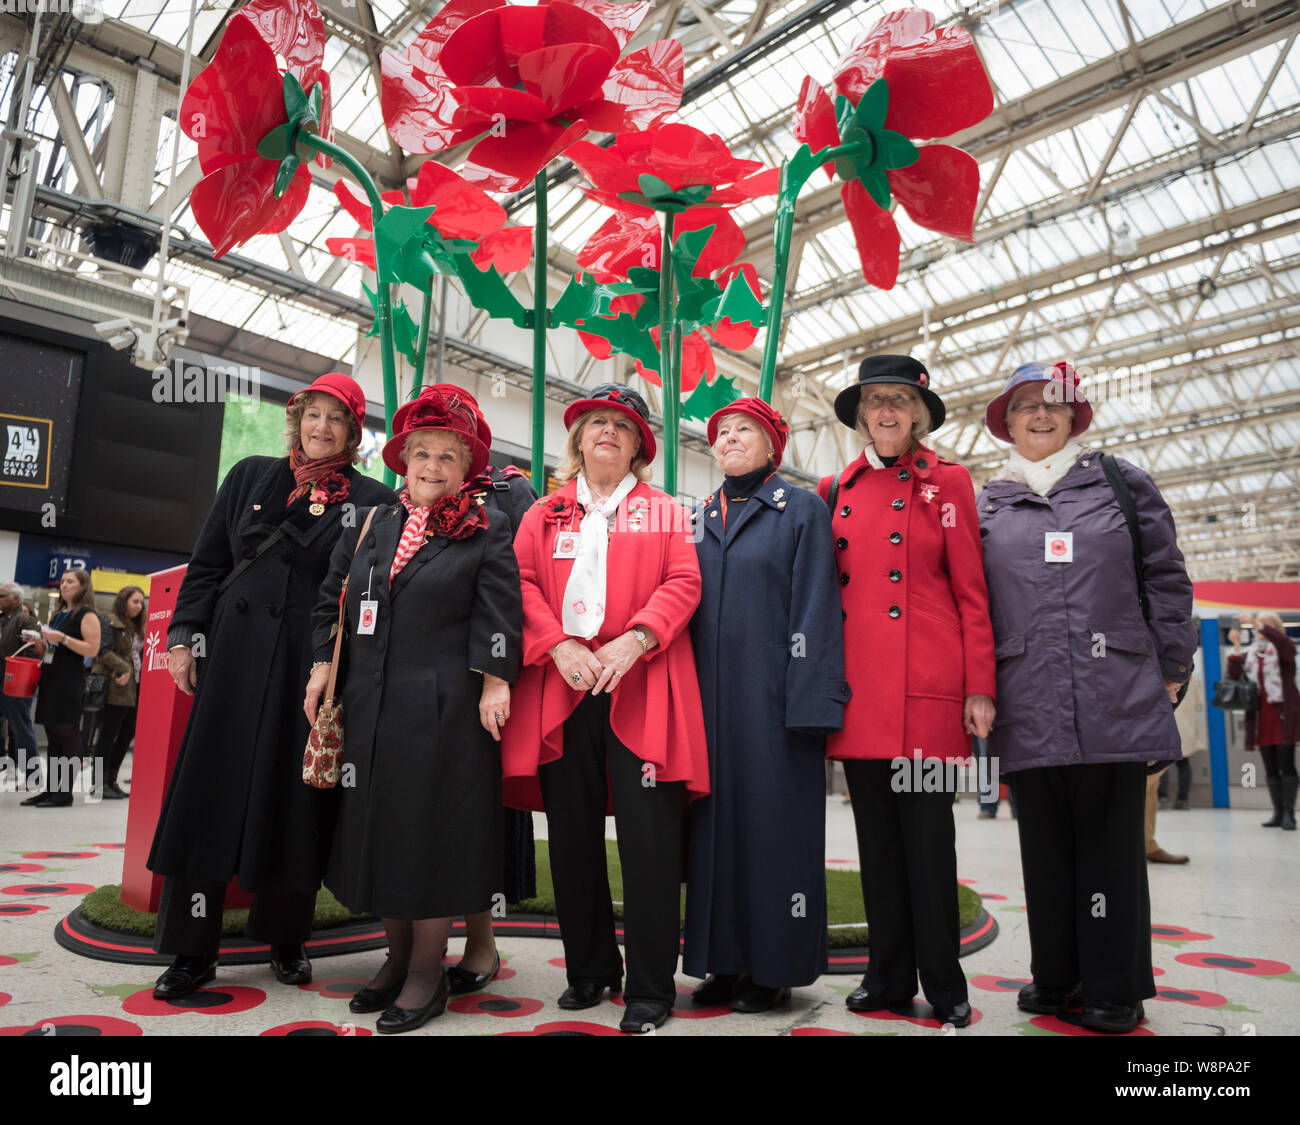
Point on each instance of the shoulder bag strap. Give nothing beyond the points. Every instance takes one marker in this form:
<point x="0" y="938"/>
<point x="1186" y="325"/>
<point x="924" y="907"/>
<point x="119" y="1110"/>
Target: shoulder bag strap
<point x="1124" y="497"/>
<point x="834" y="492"/>
<point x="266" y="544"/>
<point x="343" y="601"/>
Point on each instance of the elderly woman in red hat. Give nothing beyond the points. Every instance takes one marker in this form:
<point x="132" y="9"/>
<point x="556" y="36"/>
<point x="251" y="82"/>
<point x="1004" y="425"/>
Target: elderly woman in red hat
<point x="770" y="652"/>
<point x="433" y="618"/>
<point x="608" y="704"/>
<point x="919" y="657"/>
<point x="240" y="642"/>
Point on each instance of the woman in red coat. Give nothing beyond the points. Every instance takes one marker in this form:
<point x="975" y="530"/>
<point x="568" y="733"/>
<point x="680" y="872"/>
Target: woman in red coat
<point x="607" y="708"/>
<point x="918" y="654"/>
<point x="1275" y="727"/>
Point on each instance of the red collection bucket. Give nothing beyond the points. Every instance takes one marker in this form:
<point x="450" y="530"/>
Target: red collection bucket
<point x="21" y="675"/>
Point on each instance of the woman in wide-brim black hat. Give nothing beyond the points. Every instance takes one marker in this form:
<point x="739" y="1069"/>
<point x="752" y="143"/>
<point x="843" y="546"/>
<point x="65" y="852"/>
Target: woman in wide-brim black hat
<point x="918" y="653"/>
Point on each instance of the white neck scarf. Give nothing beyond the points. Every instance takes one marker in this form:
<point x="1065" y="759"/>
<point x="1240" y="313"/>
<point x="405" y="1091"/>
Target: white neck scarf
<point x="1265" y="669"/>
<point x="584" y="596"/>
<point x="1041" y="476"/>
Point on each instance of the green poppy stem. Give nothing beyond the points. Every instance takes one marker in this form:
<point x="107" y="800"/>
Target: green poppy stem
<point x="669" y="341"/>
<point x="383" y="296"/>
<point x="540" y="317"/>
<point x="422" y="343"/>
<point x="794" y="174"/>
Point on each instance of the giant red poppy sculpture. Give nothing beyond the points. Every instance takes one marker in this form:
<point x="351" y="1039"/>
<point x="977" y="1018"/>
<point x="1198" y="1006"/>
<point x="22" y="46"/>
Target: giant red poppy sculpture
<point x="904" y="80"/>
<point x="242" y="97"/>
<point x="527" y="82"/>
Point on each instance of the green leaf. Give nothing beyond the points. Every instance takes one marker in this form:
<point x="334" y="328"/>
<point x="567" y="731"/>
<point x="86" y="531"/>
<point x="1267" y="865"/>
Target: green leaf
<point x="411" y="249"/>
<point x="652" y="187"/>
<point x="896" y="151"/>
<point x="488" y="291"/>
<point x="874" y="107"/>
<point x="295" y="99"/>
<point x="687" y="248"/>
<point x="877" y="185"/>
<point x="707" y="398"/>
<point x="275" y="145"/>
<point x="626" y="337"/>
<point x="405" y="333"/>
<point x="284" y="176"/>
<point x="739" y="305"/>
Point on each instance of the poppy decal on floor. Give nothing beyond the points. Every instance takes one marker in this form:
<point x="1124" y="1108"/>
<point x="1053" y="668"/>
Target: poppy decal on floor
<point x="15" y="909"/>
<point x="111" y="847"/>
<point x="47" y="889"/>
<point x="76" y="1025"/>
<point x="1190" y="996"/>
<point x="4" y="999"/>
<point x="1068" y="1024"/>
<point x="558" y="962"/>
<point x="21" y="868"/>
<point x="918" y="1013"/>
<point x="566" y="1027"/>
<point x="316" y="1027"/>
<point x="684" y="1009"/>
<point x="494" y="1005"/>
<point x="333" y="988"/>
<point x="1176" y="935"/>
<point x="60" y="855"/>
<point x="1251" y="966"/>
<point x="999" y="984"/>
<point x="208" y="1001"/>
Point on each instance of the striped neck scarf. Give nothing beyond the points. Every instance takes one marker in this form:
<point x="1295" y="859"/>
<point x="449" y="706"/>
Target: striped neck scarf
<point x="412" y="535"/>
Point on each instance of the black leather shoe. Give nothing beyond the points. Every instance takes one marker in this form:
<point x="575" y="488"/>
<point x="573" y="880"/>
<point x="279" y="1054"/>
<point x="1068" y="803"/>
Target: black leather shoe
<point x="1118" y="1019"/>
<point x="753" y="997"/>
<point x="1048" y="1001"/>
<point x="290" y="965"/>
<point x="37" y="801"/>
<point x="395" y="1019"/>
<point x="958" y="1015"/>
<point x="715" y="991"/>
<point x="183" y="976"/>
<point x="375" y="999"/>
<point x="587" y="993"/>
<point x="640" y="1018"/>
<point x="115" y="793"/>
<point x="860" y="1000"/>
<point x="463" y="981"/>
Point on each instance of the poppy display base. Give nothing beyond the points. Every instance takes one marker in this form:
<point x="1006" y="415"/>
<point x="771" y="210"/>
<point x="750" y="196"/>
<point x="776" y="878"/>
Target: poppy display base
<point x="77" y="934"/>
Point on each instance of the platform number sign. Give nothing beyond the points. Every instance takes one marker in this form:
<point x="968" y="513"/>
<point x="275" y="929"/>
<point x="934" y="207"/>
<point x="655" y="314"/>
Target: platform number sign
<point x="26" y="453"/>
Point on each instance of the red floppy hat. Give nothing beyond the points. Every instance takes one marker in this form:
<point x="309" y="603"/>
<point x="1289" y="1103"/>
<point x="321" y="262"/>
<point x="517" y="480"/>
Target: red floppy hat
<point x="766" y="416"/>
<point x="344" y="388"/>
<point x="1067" y="390"/>
<point x="443" y="406"/>
<point x="484" y="430"/>
<point x="623" y="399"/>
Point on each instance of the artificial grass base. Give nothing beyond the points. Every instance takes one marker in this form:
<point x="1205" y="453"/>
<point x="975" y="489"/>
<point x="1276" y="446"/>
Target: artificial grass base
<point x="845" y="909"/>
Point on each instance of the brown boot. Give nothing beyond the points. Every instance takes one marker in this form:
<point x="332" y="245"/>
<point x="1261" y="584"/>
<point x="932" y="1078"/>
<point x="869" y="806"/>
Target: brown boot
<point x="1162" y="856"/>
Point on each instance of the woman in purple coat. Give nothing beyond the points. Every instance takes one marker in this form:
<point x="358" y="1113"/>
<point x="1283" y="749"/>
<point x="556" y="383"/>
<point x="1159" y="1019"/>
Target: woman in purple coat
<point x="1086" y="684"/>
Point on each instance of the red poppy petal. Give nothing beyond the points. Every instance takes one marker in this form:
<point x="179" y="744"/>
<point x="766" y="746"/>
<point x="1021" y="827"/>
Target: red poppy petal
<point x="876" y="234"/>
<point x="509" y="249"/>
<point x="360" y="250"/>
<point x="293" y="200"/>
<point x="648" y="84"/>
<point x="725" y="244"/>
<point x="621" y="243"/>
<point x="939" y="191"/>
<point x="748" y="271"/>
<point x="683" y="156"/>
<point x="864" y="62"/>
<point x="294" y="29"/>
<point x="814" y="120"/>
<point x="353" y="206"/>
<point x="474" y="54"/>
<point x="517" y="158"/>
<point x="237" y="98"/>
<point x="622" y="20"/>
<point x="463" y="210"/>
<point x="396" y="198"/>
<point x="596" y="345"/>
<point x="629" y="303"/>
<point x="737" y="337"/>
<point x="697" y="361"/>
<point x="480" y="104"/>
<point x="606" y="168"/>
<point x="616" y="202"/>
<point x="569" y="23"/>
<point x="937" y="87"/>
<point x="523" y="29"/>
<point x="766" y="182"/>
<point x="603" y="116"/>
<point x="235" y="204"/>
<point x="565" y="74"/>
<point x="326" y="118"/>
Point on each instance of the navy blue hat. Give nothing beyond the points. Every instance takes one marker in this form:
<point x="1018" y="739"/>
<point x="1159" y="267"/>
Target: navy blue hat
<point x="889" y="369"/>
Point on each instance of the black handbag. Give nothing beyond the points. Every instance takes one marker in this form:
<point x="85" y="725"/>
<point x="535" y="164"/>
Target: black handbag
<point x="1236" y="695"/>
<point x="95" y="694"/>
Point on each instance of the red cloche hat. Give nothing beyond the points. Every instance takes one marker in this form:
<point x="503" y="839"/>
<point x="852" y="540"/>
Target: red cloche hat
<point x="766" y="416"/>
<point x="1067" y="390"/>
<point x="443" y="406"/>
<point x="623" y="399"/>
<point x="344" y="388"/>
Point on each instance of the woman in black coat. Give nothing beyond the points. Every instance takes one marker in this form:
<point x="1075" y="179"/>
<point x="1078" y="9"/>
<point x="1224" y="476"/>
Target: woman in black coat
<point x="769" y="647"/>
<point x="434" y="624"/>
<point x="240" y="641"/>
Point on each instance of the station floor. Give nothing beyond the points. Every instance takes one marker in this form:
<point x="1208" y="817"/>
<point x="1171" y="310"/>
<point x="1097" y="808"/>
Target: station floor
<point x="1224" y="939"/>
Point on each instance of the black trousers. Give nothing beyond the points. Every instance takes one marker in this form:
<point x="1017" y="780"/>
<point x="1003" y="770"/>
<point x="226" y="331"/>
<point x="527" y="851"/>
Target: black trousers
<point x="1083" y="852"/>
<point x="276" y="918"/>
<point x="648" y="818"/>
<point x="907" y="853"/>
<point x="116" y="729"/>
<point x="1279" y="761"/>
<point x="1184" y="768"/>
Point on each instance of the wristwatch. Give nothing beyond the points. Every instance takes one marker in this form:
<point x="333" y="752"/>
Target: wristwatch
<point x="639" y="634"/>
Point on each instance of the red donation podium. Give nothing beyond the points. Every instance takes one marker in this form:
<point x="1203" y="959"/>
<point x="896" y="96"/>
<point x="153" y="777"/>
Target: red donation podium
<point x="161" y="714"/>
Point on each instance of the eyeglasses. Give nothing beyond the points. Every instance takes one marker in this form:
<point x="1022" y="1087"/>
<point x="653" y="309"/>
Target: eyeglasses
<point x="1030" y="406"/>
<point x="876" y="401"/>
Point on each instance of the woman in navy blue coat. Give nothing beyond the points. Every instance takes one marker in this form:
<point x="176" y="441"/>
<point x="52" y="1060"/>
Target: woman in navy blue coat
<point x="769" y="647"/>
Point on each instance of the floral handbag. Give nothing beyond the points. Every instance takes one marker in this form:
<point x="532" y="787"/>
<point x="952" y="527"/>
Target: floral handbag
<point x="322" y="761"/>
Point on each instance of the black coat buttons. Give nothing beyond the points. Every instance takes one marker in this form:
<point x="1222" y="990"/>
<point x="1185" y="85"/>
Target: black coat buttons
<point x="897" y="505"/>
<point x="844" y="511"/>
<point x="904" y="474"/>
<point x="844" y="579"/>
<point x="896" y="575"/>
<point x="841" y="543"/>
<point x="895" y="536"/>
<point x="894" y="611"/>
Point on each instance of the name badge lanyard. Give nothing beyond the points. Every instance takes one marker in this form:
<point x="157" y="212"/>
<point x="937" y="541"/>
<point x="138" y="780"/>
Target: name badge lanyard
<point x="369" y="609"/>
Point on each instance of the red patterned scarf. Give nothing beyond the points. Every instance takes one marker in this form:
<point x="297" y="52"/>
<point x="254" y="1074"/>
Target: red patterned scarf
<point x="456" y="516"/>
<point x="323" y="479"/>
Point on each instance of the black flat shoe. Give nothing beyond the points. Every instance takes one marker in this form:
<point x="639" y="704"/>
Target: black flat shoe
<point x="587" y="993"/>
<point x="715" y="991"/>
<point x="396" y="1020"/>
<point x="115" y="793"/>
<point x="375" y="999"/>
<point x="1117" y="1019"/>
<point x="463" y="981"/>
<point x="640" y="1017"/>
<point x="958" y="1015"/>
<point x="53" y="801"/>
<point x="183" y="976"/>
<point x="861" y="1000"/>
<point x="1048" y="1001"/>
<point x="40" y="799"/>
<point x="757" y="998"/>
<point x="290" y="965"/>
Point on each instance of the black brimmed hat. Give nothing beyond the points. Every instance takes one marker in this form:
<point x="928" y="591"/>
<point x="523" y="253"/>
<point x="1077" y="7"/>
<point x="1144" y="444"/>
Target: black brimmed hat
<point x="889" y="369"/>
